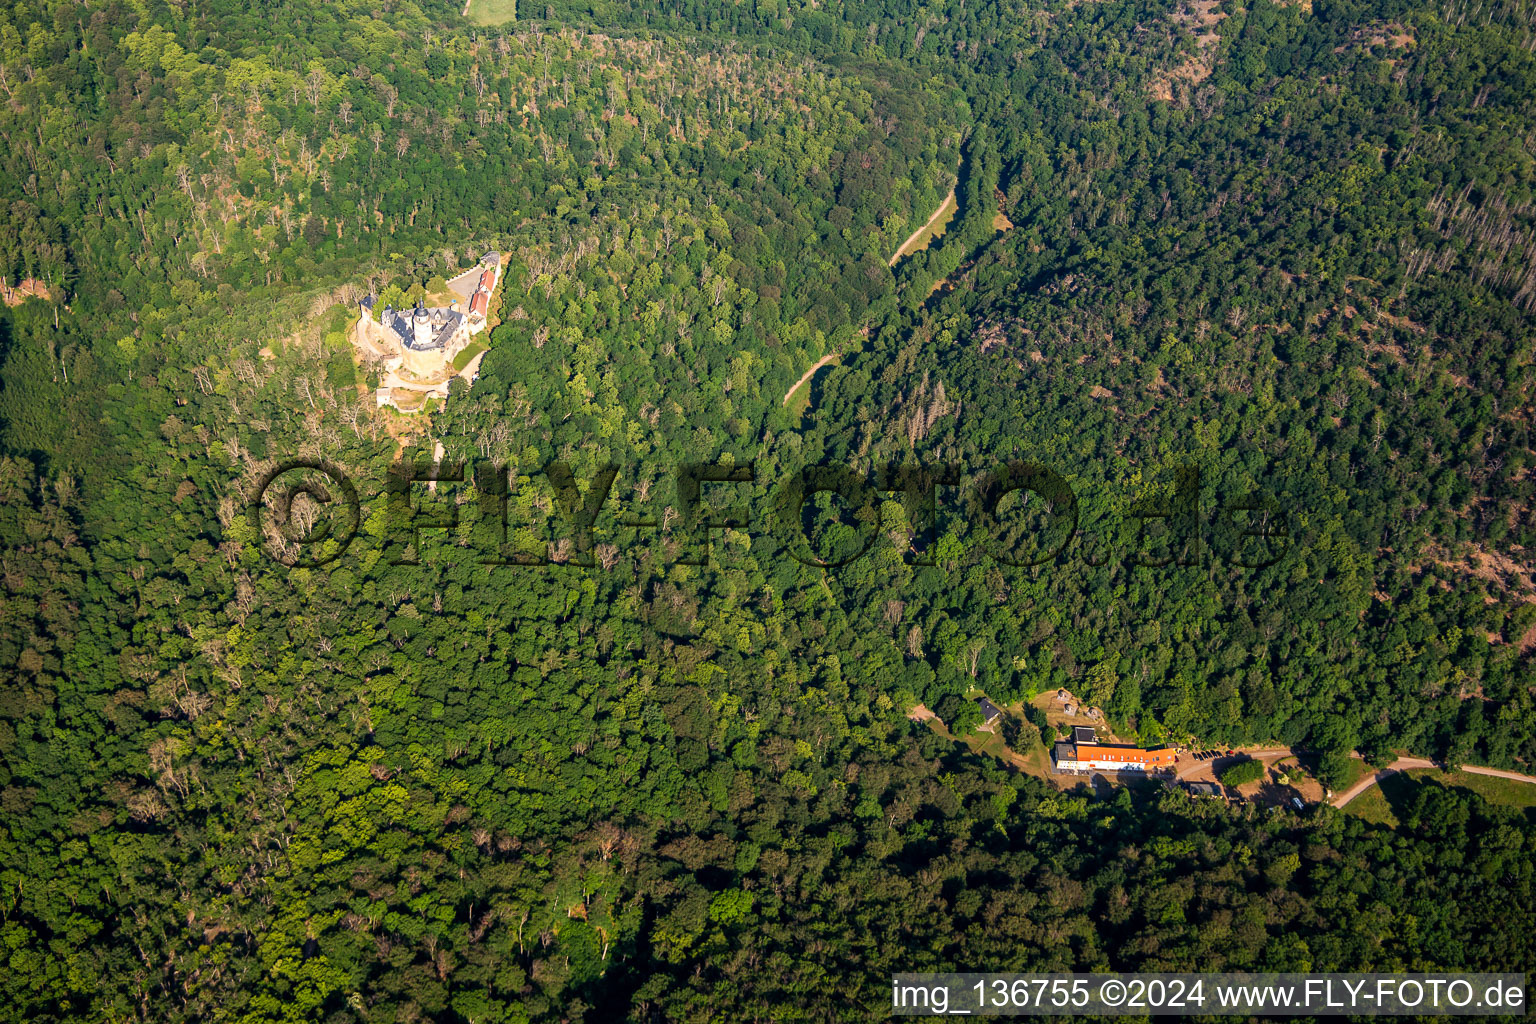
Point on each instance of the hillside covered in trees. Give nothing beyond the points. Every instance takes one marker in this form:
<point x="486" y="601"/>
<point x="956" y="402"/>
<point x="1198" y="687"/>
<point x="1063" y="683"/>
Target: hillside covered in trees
<point x="1244" y="290"/>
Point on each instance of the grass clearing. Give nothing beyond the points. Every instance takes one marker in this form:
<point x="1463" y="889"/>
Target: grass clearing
<point x="989" y="743"/>
<point x="407" y="400"/>
<point x="1504" y="792"/>
<point x="1358" y="770"/>
<point x="1383" y="804"/>
<point x="1036" y="760"/>
<point x="471" y="350"/>
<point x="491" y="12"/>
<point x="1374" y="807"/>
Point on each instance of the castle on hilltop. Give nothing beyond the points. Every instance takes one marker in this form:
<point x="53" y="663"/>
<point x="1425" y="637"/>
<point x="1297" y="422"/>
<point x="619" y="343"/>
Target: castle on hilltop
<point x="421" y="343"/>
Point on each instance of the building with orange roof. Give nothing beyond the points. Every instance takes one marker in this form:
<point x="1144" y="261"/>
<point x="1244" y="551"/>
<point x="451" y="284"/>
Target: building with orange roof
<point x="1083" y="753"/>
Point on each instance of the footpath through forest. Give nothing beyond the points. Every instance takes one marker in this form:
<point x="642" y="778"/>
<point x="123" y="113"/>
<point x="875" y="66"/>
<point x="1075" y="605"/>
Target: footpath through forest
<point x="905" y="249"/>
<point x="808" y="374"/>
<point x="909" y="246"/>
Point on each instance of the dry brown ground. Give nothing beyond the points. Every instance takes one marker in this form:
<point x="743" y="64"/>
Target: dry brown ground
<point x="1201" y="17"/>
<point x="28" y="287"/>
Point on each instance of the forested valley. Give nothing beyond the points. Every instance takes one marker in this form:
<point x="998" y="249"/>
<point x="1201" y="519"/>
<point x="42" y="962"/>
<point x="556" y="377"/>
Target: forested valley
<point x="1255" y="281"/>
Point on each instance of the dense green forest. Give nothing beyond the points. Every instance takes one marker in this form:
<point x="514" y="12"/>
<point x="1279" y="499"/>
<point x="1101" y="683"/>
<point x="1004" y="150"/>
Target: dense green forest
<point x="1262" y="300"/>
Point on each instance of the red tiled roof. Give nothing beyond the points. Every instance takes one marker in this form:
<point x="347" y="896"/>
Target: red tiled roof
<point x="479" y="302"/>
<point x="488" y="279"/>
<point x="1130" y="755"/>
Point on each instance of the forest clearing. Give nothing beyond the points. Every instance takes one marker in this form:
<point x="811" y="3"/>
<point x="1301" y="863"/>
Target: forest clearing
<point x="490" y="12"/>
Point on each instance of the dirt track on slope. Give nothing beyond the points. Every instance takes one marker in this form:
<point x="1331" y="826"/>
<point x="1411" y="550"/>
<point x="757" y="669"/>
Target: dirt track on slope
<point x="808" y="374"/>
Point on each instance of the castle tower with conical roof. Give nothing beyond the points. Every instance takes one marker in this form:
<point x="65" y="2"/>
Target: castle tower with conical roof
<point x="421" y="326"/>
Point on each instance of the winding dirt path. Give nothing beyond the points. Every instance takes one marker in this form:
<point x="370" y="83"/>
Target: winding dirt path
<point x="1498" y="773"/>
<point x="1375" y="778"/>
<point x="808" y="374"/>
<point x="1403" y="764"/>
<point x="902" y="249"/>
<point x="437" y="460"/>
